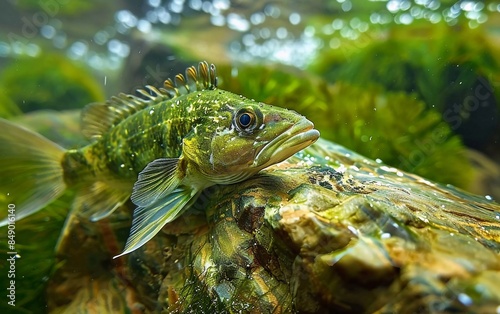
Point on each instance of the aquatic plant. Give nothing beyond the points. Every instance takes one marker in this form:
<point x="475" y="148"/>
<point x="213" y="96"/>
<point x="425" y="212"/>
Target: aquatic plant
<point x="49" y="81"/>
<point x="395" y="127"/>
<point x="7" y="107"/>
<point x="452" y="70"/>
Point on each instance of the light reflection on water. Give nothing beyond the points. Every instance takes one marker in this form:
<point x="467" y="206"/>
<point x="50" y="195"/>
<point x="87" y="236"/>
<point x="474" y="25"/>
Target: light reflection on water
<point x="277" y="31"/>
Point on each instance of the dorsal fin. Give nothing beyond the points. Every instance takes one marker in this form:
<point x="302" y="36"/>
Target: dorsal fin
<point x="204" y="78"/>
<point x="99" y="118"/>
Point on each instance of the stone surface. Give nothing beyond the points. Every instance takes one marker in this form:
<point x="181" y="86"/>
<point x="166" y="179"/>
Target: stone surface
<point x="325" y="231"/>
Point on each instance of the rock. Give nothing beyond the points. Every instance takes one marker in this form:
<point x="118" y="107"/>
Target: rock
<point x="325" y="231"/>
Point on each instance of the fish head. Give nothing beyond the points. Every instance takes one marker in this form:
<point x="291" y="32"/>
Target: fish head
<point x="243" y="137"/>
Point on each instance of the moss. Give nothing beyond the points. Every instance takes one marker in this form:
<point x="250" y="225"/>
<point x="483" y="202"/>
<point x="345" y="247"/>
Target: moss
<point x="196" y="297"/>
<point x="49" y="81"/>
<point x="415" y="59"/>
<point x="452" y="70"/>
<point x="393" y="126"/>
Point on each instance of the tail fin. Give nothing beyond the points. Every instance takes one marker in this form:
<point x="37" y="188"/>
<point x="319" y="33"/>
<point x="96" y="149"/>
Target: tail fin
<point x="31" y="175"/>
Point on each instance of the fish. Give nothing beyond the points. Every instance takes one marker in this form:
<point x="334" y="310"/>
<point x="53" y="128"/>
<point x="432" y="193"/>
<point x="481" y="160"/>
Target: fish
<point x="160" y="149"/>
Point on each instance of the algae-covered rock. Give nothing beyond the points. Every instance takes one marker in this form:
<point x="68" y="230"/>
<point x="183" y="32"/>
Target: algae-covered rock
<point x="325" y="231"/>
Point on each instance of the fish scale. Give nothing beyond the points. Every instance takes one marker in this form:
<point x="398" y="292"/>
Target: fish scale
<point x="154" y="132"/>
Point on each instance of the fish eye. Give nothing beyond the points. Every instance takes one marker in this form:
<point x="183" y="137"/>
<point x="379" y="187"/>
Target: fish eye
<point x="245" y="120"/>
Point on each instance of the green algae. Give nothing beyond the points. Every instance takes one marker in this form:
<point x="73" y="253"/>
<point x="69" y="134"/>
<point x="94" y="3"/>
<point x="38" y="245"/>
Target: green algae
<point x="49" y="81"/>
<point x="453" y="70"/>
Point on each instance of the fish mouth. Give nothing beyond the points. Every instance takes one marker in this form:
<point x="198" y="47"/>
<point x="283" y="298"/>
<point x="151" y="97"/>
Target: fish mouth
<point x="297" y="137"/>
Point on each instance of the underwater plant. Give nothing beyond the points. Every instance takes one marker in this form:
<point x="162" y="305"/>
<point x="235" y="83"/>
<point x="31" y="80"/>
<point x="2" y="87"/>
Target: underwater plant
<point x="49" y="81"/>
<point x="451" y="69"/>
<point x="8" y="108"/>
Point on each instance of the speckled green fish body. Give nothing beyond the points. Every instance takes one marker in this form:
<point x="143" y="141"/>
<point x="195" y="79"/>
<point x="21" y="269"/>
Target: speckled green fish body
<point x="154" y="132"/>
<point x="159" y="131"/>
<point x="160" y="151"/>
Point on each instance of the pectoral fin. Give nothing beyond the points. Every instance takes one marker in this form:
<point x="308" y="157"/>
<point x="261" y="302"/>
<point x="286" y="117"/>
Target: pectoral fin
<point x="148" y="220"/>
<point x="156" y="181"/>
<point x="159" y="198"/>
